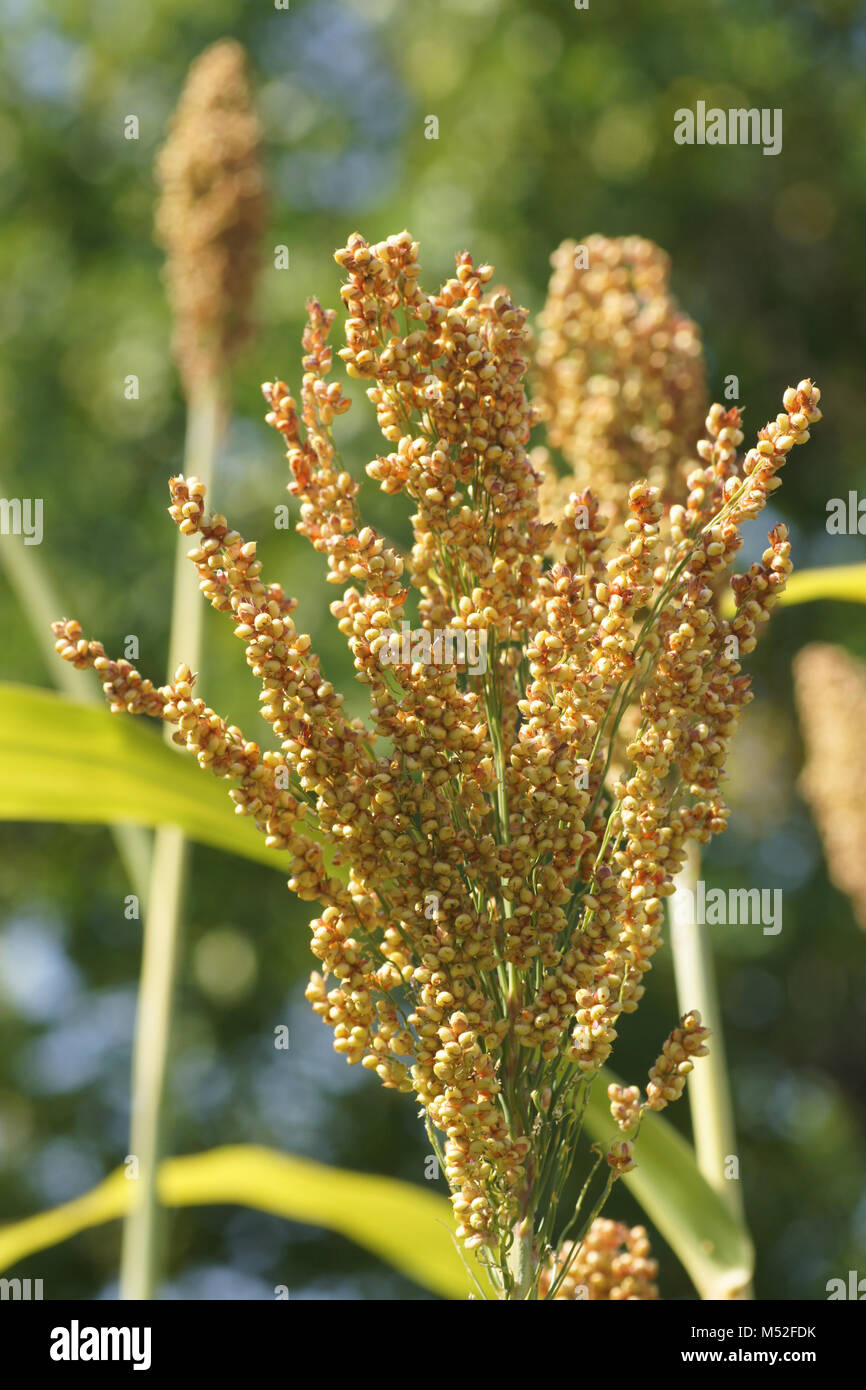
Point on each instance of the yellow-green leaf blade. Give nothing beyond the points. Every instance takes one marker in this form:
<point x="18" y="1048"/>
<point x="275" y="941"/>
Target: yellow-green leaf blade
<point x="405" y="1225"/>
<point x="845" y="582"/>
<point x="408" y="1227"/>
<point x="77" y="763"/>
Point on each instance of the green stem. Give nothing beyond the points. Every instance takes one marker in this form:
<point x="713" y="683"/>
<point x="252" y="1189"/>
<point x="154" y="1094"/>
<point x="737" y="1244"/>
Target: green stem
<point x="140" y="1259"/>
<point x="708" y="1086"/>
<point x="522" y="1261"/>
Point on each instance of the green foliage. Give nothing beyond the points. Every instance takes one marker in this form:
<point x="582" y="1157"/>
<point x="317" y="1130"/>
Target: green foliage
<point x="61" y="761"/>
<point x="410" y="1228"/>
<point x="404" y="1225"/>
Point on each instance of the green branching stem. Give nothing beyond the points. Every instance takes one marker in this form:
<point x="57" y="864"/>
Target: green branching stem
<point x="140" y="1258"/>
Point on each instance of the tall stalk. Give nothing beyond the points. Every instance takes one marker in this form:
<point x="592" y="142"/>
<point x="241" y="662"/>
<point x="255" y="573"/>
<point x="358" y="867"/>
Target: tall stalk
<point x="709" y="1089"/>
<point x="209" y="220"/>
<point x="161" y="948"/>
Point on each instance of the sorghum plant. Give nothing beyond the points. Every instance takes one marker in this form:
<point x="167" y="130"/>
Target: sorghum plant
<point x="491" y="865"/>
<point x="209" y="220"/>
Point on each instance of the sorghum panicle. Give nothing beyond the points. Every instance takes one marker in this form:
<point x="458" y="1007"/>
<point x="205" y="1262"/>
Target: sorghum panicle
<point x="211" y="212"/>
<point x="620" y="378"/>
<point x="497" y="884"/>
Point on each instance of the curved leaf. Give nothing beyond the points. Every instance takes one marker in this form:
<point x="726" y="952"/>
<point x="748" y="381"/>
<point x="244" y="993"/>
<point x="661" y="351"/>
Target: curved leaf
<point x="714" y="1247"/>
<point x="410" y="1228"/>
<point x="64" y="761"/>
<point x="846" y="582"/>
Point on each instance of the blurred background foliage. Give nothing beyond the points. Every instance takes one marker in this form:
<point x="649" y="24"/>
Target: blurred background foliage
<point x="553" y="122"/>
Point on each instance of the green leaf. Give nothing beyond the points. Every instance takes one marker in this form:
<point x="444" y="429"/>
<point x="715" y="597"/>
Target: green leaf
<point x="408" y="1227"/>
<point x="70" y="762"/>
<point x="714" y="1247"/>
<point x="846" y="583"/>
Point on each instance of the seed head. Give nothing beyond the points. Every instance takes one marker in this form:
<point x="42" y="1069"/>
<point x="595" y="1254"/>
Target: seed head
<point x="211" y="212"/>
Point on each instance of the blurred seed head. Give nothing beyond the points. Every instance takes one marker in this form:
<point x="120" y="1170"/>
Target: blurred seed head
<point x="620" y="377"/>
<point x="613" y="1263"/>
<point x="211" y="212"/>
<point x="830" y="687"/>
